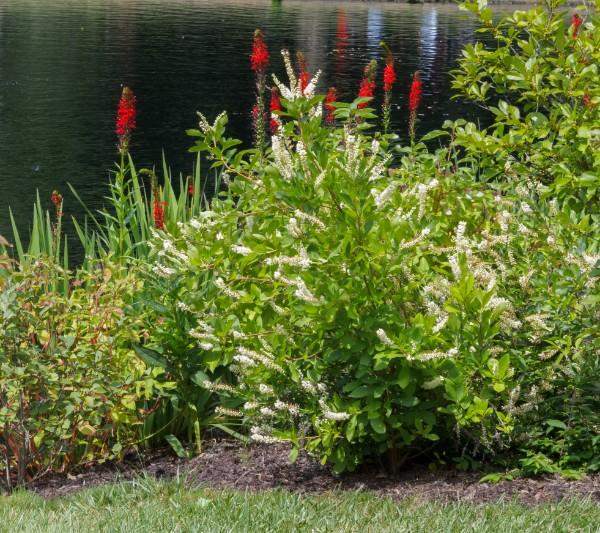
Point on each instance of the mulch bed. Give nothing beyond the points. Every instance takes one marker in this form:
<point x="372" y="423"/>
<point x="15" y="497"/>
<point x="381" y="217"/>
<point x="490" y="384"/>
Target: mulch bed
<point x="231" y="465"/>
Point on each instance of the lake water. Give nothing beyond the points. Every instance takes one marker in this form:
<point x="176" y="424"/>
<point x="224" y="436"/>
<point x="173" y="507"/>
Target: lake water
<point x="63" y="62"/>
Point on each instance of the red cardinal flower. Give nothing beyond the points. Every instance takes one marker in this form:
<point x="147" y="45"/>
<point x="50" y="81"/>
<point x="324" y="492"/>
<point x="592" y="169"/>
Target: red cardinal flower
<point x="159" y="213"/>
<point x="304" y="76"/>
<point x="57" y="200"/>
<point x="126" y="113"/>
<point x="367" y="85"/>
<point x="416" y="91"/>
<point x="275" y="106"/>
<point x="259" y="59"/>
<point x="389" y="77"/>
<point x="125" y="118"/>
<point x="330" y="99"/>
<point x="577" y="22"/>
<point x="367" y="90"/>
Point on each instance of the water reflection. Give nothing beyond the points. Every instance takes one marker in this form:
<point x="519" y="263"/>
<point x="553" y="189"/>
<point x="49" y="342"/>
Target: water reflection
<point x="62" y="65"/>
<point x="374" y="31"/>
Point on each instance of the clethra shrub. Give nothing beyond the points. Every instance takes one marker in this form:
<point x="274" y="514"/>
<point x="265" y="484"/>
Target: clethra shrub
<point x="377" y="302"/>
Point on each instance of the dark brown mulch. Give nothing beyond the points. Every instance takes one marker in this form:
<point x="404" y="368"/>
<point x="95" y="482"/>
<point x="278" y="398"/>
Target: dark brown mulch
<point x="159" y="464"/>
<point x="228" y="464"/>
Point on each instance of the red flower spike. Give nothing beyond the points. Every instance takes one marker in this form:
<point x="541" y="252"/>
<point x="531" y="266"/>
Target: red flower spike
<point x="389" y="74"/>
<point x="275" y="106"/>
<point x="159" y="213"/>
<point x="389" y="77"/>
<point x="577" y="22"/>
<point x="367" y="85"/>
<point x="125" y="119"/>
<point x="126" y="113"/>
<point x="367" y="90"/>
<point x="57" y="200"/>
<point x="259" y="59"/>
<point x="330" y="99"/>
<point x="304" y="76"/>
<point x="416" y="91"/>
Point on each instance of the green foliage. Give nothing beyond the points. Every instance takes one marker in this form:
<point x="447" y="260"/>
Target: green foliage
<point x="122" y="231"/>
<point x="71" y="388"/>
<point x="542" y="86"/>
<point x="375" y="304"/>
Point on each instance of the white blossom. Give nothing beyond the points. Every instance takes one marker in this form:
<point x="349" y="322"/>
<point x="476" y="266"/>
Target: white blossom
<point x="382" y="335"/>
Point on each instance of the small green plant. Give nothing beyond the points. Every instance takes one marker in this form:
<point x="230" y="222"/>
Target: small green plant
<point x="72" y="389"/>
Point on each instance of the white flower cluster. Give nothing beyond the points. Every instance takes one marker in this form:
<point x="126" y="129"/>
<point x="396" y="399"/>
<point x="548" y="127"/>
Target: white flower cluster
<point x="220" y="284"/>
<point x="282" y="157"/>
<point x="217" y="387"/>
<point x="429" y="356"/>
<point x="301" y="260"/>
<point x="309" y="218"/>
<point x="382" y="336"/>
<point x="293" y="228"/>
<point x="163" y="271"/>
<point x="169" y="250"/>
<point x="304" y="294"/>
<point x="261" y="435"/>
<point x="227" y="412"/>
<point x="205" y="126"/>
<point x="413" y="242"/>
<point x="249" y="357"/>
<point x="242" y="250"/>
<point x="294" y="91"/>
<point x="382" y="197"/>
<point x="335" y="416"/>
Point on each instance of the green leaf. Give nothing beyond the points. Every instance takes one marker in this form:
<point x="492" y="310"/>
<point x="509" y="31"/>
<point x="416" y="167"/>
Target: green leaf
<point x="377" y="425"/>
<point x="556" y="423"/>
<point x="360" y="392"/>
<point x="150" y="357"/>
<point x="178" y="448"/>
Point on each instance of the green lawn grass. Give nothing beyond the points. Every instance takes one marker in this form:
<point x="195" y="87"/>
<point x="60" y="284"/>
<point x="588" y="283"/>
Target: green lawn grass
<point x="149" y="506"/>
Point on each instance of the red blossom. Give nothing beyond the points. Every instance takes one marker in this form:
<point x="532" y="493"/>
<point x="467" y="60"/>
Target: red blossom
<point x="577" y="22"/>
<point x="57" y="200"/>
<point x="367" y="90"/>
<point x="389" y="77"/>
<point x="126" y="113"/>
<point x="275" y="106"/>
<point x="159" y="213"/>
<point x="416" y="91"/>
<point x="304" y="76"/>
<point x="259" y="59"/>
<point x="329" y="100"/>
<point x="191" y="188"/>
<point x="367" y="85"/>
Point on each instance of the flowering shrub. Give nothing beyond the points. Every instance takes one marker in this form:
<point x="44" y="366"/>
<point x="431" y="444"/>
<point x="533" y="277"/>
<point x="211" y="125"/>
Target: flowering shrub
<point x="369" y="303"/>
<point x="542" y="87"/>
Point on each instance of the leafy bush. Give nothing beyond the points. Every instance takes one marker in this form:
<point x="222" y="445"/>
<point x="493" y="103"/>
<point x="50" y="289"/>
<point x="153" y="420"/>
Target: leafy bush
<point x="71" y="389"/>
<point x="541" y="85"/>
<point x="370" y="304"/>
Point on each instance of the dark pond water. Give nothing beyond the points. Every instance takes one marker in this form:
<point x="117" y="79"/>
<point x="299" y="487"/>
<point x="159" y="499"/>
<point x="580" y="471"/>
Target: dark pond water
<point x="62" y="64"/>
